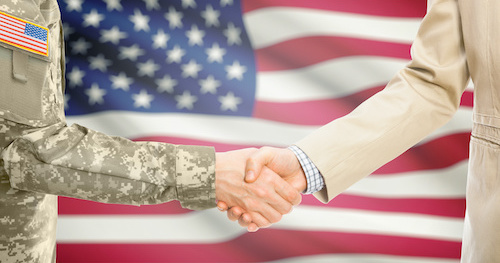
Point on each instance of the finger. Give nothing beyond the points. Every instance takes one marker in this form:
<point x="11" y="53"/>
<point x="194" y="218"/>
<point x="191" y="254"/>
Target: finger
<point x="288" y="192"/>
<point x="260" y="221"/>
<point x="234" y="213"/>
<point x="281" y="206"/>
<point x="269" y="215"/>
<point x="245" y="220"/>
<point x="222" y="206"/>
<point x="280" y="195"/>
<point x="255" y="163"/>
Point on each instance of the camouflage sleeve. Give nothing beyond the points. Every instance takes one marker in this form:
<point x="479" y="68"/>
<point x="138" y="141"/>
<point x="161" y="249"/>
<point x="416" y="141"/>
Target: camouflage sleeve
<point x="81" y="163"/>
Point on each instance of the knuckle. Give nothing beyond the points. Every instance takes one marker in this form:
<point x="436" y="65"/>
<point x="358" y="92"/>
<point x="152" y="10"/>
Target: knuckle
<point x="261" y="193"/>
<point x="265" y="148"/>
<point x="269" y="179"/>
<point x="251" y="204"/>
<point x="251" y="160"/>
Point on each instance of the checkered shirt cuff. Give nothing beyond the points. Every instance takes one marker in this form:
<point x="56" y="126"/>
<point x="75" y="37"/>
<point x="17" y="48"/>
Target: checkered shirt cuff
<point x="315" y="181"/>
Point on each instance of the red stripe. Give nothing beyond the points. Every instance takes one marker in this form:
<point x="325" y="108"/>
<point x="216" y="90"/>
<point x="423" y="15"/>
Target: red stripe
<point x="438" y="207"/>
<point x="390" y="8"/>
<point x="6" y="39"/>
<point x="321" y="112"/>
<point x="265" y="245"/>
<point x="439" y="153"/>
<point x="318" y="112"/>
<point x="467" y="99"/>
<point x="16" y="27"/>
<point x="26" y="42"/>
<point x="302" y="52"/>
<point x="16" y="21"/>
<point x="436" y="154"/>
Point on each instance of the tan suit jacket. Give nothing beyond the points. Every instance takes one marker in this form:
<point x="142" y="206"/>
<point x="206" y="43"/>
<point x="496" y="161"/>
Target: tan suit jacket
<point x="457" y="39"/>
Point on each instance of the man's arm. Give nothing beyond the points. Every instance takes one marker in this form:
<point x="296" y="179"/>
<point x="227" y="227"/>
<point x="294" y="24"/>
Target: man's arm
<point x="81" y="163"/>
<point x="78" y="162"/>
<point x="420" y="98"/>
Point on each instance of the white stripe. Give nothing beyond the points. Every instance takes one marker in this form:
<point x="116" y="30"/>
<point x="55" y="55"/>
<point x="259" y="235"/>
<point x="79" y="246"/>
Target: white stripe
<point x="330" y="79"/>
<point x="217" y="129"/>
<point x="211" y="226"/>
<point x="442" y="183"/>
<point x="5" y="24"/>
<point x="365" y="258"/>
<point x="13" y="20"/>
<point x="273" y="25"/>
<point x="223" y="129"/>
<point x="312" y="218"/>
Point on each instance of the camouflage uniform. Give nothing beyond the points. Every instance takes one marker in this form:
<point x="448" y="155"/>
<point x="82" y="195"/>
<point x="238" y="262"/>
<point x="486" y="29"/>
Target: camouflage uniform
<point x="42" y="157"/>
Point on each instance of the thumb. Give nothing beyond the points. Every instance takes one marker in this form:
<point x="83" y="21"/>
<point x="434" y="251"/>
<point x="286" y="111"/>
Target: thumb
<point x="255" y="163"/>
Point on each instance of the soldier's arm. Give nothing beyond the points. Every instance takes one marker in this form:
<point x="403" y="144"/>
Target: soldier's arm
<point x="78" y="162"/>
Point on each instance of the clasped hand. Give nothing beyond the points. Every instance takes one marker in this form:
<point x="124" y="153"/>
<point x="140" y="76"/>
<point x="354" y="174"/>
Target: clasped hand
<point x="258" y="186"/>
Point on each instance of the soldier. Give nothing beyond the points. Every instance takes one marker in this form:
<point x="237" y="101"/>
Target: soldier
<point x="42" y="157"/>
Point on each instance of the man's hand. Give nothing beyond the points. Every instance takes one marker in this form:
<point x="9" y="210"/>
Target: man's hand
<point x="264" y="200"/>
<point x="282" y="161"/>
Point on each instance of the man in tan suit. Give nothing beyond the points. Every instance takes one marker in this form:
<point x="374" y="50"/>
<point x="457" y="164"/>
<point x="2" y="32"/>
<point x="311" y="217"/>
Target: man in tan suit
<point x="457" y="39"/>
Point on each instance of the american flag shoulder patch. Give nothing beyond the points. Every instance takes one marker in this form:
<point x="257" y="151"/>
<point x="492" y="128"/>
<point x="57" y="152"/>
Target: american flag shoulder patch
<point x="24" y="35"/>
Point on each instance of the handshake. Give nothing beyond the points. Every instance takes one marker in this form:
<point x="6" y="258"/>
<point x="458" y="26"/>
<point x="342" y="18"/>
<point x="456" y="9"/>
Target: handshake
<point x="258" y="186"/>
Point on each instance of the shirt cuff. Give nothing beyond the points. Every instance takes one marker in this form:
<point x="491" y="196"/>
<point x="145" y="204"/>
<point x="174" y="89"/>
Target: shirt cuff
<point x="315" y="181"/>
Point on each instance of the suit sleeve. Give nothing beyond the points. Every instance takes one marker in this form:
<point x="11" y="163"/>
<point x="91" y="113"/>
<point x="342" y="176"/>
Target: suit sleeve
<point x="78" y="162"/>
<point x="419" y="99"/>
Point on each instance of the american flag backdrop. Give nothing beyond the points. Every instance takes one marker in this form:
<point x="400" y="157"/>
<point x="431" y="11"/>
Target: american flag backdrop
<point x="257" y="72"/>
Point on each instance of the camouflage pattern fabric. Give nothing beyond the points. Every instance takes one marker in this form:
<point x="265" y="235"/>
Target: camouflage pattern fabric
<point x="42" y="157"/>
